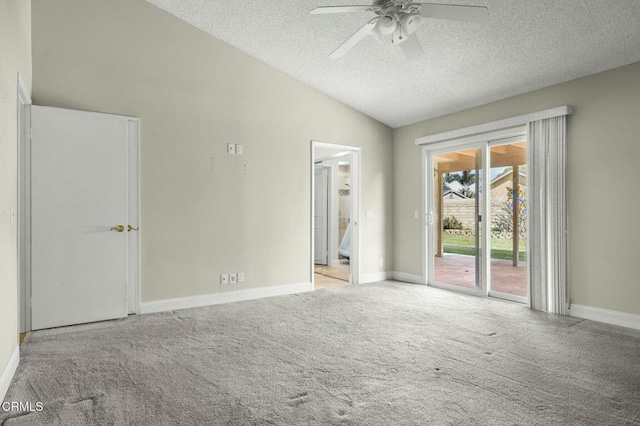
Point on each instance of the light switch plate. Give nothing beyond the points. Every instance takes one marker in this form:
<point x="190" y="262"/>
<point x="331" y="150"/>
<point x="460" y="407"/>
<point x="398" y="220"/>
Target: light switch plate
<point x="239" y="149"/>
<point x="240" y="277"/>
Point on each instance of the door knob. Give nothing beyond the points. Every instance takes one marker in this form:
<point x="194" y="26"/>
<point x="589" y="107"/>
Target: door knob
<point x="118" y="228"/>
<point x="131" y="228"/>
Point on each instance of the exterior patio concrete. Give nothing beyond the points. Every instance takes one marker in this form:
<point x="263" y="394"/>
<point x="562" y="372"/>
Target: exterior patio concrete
<point x="459" y="270"/>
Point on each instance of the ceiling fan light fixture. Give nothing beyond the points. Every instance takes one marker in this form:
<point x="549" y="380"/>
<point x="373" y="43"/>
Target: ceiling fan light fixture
<point x="410" y="23"/>
<point x="399" y="20"/>
<point x="386" y="25"/>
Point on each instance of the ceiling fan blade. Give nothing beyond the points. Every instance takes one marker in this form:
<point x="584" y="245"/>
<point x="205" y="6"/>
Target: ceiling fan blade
<point x="454" y="12"/>
<point x="341" y="9"/>
<point x="412" y="48"/>
<point x="354" y="39"/>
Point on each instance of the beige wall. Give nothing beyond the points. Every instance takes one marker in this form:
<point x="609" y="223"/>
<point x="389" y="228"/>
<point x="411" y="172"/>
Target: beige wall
<point x="603" y="202"/>
<point x="203" y="212"/>
<point x="15" y="57"/>
<point x="465" y="210"/>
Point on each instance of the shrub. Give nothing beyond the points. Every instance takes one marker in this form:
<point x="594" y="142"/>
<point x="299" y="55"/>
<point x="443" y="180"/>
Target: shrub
<point x="451" y="222"/>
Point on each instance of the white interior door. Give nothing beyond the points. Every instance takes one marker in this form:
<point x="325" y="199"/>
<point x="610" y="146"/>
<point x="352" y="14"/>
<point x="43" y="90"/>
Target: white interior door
<point x="321" y="213"/>
<point x="79" y="194"/>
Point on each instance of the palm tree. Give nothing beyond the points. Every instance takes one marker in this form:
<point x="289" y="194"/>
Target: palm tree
<point x="450" y="177"/>
<point x="466" y="178"/>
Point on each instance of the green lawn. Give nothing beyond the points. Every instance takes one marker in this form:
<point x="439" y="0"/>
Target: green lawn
<point x="500" y="247"/>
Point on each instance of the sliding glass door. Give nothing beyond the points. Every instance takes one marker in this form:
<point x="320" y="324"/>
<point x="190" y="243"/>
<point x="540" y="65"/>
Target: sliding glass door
<point x="508" y="219"/>
<point x="457" y="240"/>
<point x="476" y="233"/>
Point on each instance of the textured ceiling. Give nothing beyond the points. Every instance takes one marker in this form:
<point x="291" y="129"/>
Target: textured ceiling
<point x="525" y="45"/>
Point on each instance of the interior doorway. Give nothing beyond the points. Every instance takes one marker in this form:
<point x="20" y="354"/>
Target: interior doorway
<point x="477" y="217"/>
<point x="335" y="184"/>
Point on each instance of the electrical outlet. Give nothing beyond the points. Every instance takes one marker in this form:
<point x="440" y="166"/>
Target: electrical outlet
<point x="233" y="278"/>
<point x="224" y="279"/>
<point x="239" y="149"/>
<point x="240" y="277"/>
<point x="416" y="214"/>
<point x="231" y="148"/>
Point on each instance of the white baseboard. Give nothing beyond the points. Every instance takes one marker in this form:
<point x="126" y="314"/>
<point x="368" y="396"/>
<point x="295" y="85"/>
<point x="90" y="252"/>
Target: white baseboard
<point x="604" y="315"/>
<point x="8" y="372"/>
<point x="223" y="297"/>
<point x="375" y="277"/>
<point x="408" y="278"/>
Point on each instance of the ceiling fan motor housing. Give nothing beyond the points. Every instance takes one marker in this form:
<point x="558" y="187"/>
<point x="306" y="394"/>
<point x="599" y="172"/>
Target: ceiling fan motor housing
<point x="383" y="4"/>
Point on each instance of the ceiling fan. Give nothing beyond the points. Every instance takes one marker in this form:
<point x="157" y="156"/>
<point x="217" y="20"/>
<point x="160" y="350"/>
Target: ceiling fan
<point x="400" y="19"/>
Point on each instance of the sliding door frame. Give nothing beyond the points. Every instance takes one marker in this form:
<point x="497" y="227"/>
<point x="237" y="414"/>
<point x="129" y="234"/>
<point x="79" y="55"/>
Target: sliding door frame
<point x="482" y="141"/>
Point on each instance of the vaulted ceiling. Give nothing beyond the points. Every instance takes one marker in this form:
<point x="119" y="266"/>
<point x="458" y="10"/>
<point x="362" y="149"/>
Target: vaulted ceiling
<point x="524" y="45"/>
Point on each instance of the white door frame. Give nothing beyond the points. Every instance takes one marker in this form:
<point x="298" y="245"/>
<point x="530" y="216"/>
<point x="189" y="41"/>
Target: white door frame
<point x="134" y="281"/>
<point x="24" y="229"/>
<point x="355" y="167"/>
<point x="483" y="141"/>
<point x="24" y="207"/>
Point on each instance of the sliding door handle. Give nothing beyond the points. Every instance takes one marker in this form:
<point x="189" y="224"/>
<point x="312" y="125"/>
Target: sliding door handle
<point x="430" y="218"/>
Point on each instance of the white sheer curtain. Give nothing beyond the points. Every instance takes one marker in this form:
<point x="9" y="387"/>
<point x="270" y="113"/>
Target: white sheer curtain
<point x="548" y="214"/>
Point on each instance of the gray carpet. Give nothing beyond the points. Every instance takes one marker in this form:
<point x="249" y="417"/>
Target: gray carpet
<point x="381" y="354"/>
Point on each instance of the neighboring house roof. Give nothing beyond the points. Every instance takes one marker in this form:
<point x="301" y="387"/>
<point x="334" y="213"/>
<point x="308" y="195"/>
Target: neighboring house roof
<point x="452" y="194"/>
<point x="453" y="186"/>
<point x="508" y="177"/>
<point x="500" y="184"/>
<point x="454" y="189"/>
